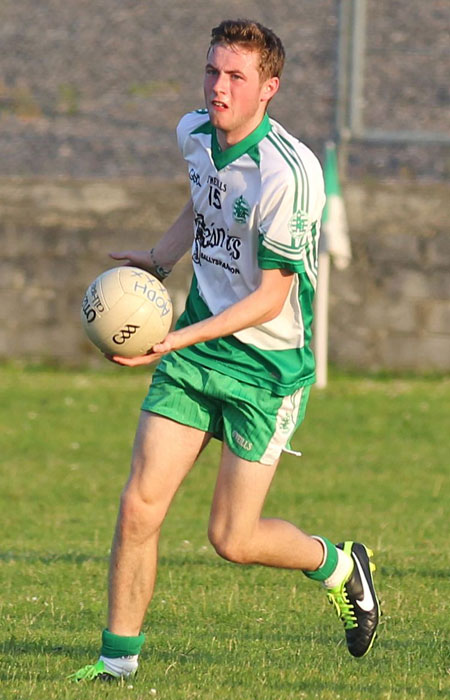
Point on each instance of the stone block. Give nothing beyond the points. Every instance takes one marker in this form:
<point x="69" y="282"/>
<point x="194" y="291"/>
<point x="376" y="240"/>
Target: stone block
<point x="104" y="198"/>
<point x="12" y="276"/>
<point x="406" y="283"/>
<point x="438" y="250"/>
<point x="437" y="319"/>
<point x="410" y="352"/>
<point x="440" y="283"/>
<point x="398" y="248"/>
<point x="401" y="316"/>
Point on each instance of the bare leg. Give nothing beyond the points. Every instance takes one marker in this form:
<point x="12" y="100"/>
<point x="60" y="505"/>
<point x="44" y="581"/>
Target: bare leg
<point x="164" y="452"/>
<point x="237" y="530"/>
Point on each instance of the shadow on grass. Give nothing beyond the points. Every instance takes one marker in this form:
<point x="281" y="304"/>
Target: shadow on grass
<point x="15" y="647"/>
<point x="416" y="570"/>
<point x="172" y="653"/>
<point x="179" y="559"/>
<point x="19" y="650"/>
<point x="348" y="688"/>
<point x="207" y="559"/>
<point x="51" y="558"/>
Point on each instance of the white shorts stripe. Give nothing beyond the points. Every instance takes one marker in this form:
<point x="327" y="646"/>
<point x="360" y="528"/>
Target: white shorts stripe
<point x="286" y="422"/>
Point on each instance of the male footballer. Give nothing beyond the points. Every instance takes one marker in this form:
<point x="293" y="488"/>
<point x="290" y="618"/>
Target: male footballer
<point x="238" y="366"/>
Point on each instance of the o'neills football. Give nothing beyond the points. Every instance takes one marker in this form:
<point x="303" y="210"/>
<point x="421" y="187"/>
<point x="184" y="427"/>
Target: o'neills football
<point x="125" y="311"/>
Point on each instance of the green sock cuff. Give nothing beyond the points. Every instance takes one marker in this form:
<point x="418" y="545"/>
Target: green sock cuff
<point x="115" y="646"/>
<point x="329" y="565"/>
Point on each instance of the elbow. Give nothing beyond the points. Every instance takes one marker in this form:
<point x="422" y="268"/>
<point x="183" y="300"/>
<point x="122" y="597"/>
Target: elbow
<point x="272" y="313"/>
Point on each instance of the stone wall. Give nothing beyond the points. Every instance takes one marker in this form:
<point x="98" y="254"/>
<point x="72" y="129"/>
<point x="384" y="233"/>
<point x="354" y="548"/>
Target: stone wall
<point x="390" y="309"/>
<point x="55" y="237"/>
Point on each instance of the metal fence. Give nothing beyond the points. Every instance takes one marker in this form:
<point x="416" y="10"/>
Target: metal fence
<point x="392" y="82"/>
<point x="96" y="89"/>
<point x="409" y="59"/>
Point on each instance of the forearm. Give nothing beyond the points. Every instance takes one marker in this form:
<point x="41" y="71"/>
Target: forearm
<point x="177" y="240"/>
<point x="248" y="312"/>
<point x="262" y="305"/>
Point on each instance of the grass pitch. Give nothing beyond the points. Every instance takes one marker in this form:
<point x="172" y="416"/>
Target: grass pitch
<point x="375" y="468"/>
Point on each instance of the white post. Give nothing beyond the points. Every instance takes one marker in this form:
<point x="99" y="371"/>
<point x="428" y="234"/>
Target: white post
<point x="321" y="320"/>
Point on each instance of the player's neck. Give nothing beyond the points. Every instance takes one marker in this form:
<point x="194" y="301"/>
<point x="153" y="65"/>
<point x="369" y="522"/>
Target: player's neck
<point x="226" y="139"/>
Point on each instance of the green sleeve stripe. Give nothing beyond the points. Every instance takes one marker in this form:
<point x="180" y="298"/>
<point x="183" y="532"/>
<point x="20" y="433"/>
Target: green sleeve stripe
<point x="269" y="260"/>
<point x="292" y="158"/>
<point x="282" y="247"/>
<point x="278" y="147"/>
<point x="280" y="252"/>
<point x="300" y="164"/>
<point x="297" y="166"/>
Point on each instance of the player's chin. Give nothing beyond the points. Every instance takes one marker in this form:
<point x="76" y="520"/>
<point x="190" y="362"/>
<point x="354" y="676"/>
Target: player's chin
<point x="218" y="118"/>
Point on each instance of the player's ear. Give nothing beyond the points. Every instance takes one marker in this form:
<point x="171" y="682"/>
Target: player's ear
<point x="270" y="88"/>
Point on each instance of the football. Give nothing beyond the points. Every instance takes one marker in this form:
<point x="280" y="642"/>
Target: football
<point x="125" y="311"/>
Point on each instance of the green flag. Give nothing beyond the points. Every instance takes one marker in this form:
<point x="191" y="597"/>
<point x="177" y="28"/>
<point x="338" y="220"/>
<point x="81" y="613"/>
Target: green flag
<point x="335" y="239"/>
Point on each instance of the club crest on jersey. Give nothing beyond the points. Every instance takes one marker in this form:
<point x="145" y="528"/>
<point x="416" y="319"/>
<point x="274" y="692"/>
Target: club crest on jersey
<point x="285" y="423"/>
<point x="241" y="210"/>
<point x="299" y="228"/>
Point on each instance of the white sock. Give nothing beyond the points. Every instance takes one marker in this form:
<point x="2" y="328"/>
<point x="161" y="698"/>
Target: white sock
<point x="343" y="569"/>
<point x="122" y="666"/>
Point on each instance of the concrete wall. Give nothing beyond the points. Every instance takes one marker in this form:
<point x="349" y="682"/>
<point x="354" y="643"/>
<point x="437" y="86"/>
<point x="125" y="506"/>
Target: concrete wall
<point x="390" y="309"/>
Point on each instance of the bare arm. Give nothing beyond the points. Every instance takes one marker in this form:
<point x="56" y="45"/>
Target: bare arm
<point x="170" y="248"/>
<point x="262" y="305"/>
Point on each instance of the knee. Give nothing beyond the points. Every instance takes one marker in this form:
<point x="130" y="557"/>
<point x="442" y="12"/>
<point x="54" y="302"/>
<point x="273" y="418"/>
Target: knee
<point x="138" y="517"/>
<point x="229" y="546"/>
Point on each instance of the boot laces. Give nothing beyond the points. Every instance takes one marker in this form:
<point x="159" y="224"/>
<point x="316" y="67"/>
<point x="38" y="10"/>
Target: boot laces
<point x="344" y="609"/>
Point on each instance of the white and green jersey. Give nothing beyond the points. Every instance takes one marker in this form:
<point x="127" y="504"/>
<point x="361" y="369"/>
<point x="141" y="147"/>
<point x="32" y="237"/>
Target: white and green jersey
<point x="257" y="205"/>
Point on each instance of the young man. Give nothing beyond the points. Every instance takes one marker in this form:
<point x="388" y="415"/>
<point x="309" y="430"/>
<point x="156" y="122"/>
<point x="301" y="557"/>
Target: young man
<point x="238" y="367"/>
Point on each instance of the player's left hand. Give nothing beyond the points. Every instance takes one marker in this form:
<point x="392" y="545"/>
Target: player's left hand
<point x="156" y="353"/>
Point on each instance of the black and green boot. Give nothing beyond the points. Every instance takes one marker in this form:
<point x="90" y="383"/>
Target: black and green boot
<point x="356" y="601"/>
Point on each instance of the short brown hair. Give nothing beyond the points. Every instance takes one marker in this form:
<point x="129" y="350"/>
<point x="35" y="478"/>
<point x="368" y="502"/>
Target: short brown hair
<point x="254" y="37"/>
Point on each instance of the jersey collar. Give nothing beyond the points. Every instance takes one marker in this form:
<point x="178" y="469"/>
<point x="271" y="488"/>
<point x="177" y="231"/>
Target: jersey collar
<point x="248" y="145"/>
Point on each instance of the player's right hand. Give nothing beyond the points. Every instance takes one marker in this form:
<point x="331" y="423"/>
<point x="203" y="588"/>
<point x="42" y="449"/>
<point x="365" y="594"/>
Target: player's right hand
<point x="135" y="258"/>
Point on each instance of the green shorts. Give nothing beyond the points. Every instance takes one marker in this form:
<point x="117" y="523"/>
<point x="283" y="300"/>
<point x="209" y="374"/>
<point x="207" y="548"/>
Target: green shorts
<point x="256" y="424"/>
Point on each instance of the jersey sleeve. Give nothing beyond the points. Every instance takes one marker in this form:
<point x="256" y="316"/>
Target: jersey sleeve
<point x="289" y="222"/>
<point x="189" y="123"/>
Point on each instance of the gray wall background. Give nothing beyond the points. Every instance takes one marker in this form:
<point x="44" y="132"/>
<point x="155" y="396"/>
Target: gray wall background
<point x="389" y="309"/>
<point x="90" y="94"/>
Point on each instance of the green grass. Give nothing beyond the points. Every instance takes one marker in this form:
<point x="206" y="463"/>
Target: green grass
<point x="375" y="465"/>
